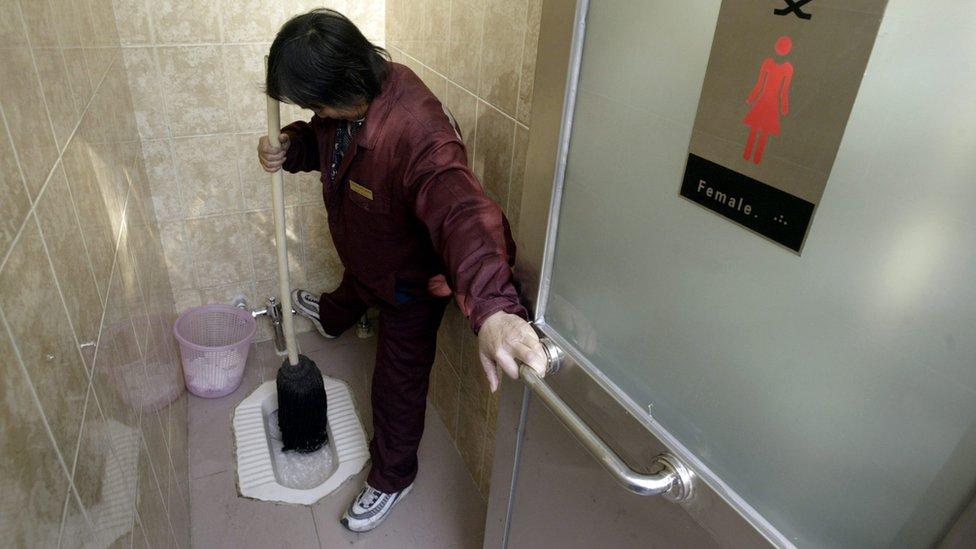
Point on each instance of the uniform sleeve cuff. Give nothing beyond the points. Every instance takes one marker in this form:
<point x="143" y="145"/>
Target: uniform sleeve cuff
<point x="483" y="311"/>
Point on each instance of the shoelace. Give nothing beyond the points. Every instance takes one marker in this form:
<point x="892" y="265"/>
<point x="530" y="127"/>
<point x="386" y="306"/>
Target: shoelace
<point x="369" y="497"/>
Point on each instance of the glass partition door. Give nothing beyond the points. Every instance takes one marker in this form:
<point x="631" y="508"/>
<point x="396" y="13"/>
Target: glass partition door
<point x="833" y="394"/>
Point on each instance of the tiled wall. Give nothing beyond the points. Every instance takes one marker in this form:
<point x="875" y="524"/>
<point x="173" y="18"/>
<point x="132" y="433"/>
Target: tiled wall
<point x="478" y="57"/>
<point x="92" y="410"/>
<point x="196" y="74"/>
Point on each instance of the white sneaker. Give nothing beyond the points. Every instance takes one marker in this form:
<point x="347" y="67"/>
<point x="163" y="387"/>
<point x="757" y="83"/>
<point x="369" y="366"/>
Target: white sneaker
<point x="307" y="305"/>
<point x="370" y="507"/>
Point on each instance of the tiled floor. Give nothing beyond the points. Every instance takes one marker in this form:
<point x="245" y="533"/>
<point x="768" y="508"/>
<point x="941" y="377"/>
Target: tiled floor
<point x="443" y="510"/>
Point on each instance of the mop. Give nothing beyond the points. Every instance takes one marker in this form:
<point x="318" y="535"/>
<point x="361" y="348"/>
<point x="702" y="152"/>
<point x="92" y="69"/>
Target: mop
<point x="302" y="407"/>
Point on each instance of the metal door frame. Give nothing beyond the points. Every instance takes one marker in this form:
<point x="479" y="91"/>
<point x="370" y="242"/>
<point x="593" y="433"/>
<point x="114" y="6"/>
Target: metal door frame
<point x="715" y="505"/>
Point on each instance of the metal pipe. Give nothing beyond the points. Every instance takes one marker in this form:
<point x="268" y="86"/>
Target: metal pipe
<point x="673" y="480"/>
<point x="274" y="314"/>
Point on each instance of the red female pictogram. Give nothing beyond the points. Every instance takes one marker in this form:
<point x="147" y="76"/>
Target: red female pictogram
<point x="770" y="99"/>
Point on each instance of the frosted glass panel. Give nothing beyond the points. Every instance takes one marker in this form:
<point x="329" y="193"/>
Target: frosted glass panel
<point x="835" y="392"/>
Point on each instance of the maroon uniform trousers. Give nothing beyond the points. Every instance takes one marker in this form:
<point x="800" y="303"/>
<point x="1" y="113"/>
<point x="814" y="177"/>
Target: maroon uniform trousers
<point x="404" y="355"/>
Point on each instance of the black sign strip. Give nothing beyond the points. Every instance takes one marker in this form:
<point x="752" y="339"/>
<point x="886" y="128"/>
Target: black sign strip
<point x="773" y="213"/>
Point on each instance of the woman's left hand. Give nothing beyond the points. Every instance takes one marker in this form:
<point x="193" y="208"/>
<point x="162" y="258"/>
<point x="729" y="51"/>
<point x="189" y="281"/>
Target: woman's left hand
<point x="504" y="341"/>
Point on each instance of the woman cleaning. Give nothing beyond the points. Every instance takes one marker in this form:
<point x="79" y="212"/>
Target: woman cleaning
<point x="411" y="224"/>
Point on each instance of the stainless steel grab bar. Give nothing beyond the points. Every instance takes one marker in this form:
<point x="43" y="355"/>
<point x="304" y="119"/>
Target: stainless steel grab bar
<point x="673" y="481"/>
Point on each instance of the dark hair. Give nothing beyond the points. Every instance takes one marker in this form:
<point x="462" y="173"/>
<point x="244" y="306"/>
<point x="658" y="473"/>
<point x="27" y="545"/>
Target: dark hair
<point x="321" y="59"/>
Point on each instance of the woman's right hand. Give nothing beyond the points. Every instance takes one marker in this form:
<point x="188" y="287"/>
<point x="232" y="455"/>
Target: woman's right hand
<point x="272" y="157"/>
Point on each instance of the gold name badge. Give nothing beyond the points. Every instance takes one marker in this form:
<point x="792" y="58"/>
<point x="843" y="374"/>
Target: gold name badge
<point x="360" y="190"/>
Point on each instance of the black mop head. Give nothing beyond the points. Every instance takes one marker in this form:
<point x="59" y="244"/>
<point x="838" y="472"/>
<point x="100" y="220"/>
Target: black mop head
<point x="302" y="406"/>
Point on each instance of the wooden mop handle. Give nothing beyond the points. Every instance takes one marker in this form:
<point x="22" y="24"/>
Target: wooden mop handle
<point x="281" y="242"/>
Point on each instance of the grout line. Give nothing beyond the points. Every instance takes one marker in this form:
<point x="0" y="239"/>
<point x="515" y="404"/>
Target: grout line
<point x="315" y="526"/>
<point x="481" y="46"/>
<point x="84" y="241"/>
<point x="149" y="21"/>
<point x="81" y="429"/>
<point x="511" y="170"/>
<point x="40" y="412"/>
<point x="61" y="48"/>
<point x="64" y="303"/>
<point x="20" y="170"/>
<point x="37" y="73"/>
<point x="64" y="516"/>
<point x="476" y="96"/>
<point x="194" y="44"/>
<point x="521" y="65"/>
<point x="159" y="489"/>
<point x="47" y="179"/>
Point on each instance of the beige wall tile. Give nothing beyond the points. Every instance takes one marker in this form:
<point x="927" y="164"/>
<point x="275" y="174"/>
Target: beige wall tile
<point x="132" y="17"/>
<point x="261" y="240"/>
<point x="57" y="92"/>
<point x="484" y="481"/>
<point x="105" y="474"/>
<point x="176" y="249"/>
<point x="77" y="67"/>
<point x="322" y="261"/>
<point x="152" y="512"/>
<point x="164" y="186"/>
<point x="27" y="118"/>
<point x="413" y="64"/>
<point x="118" y="376"/>
<point x="40" y="20"/>
<point x="97" y="216"/>
<point x="75" y="531"/>
<point x="219" y="248"/>
<point x="103" y="22"/>
<point x="474" y="384"/>
<point x="32" y="480"/>
<point x="493" y="152"/>
<point x="146" y="87"/>
<point x="501" y="55"/>
<point x="186" y="21"/>
<point x="257" y="182"/>
<point x="251" y="20"/>
<point x="227" y="293"/>
<point x="309" y="185"/>
<point x="435" y="82"/>
<point x="530" y="48"/>
<point x="98" y="60"/>
<point x="106" y="160"/>
<point x="116" y="86"/>
<point x="62" y="234"/>
<point x="15" y="204"/>
<point x="73" y="21"/>
<point x="99" y="223"/>
<point x="134" y="307"/>
<point x="152" y="430"/>
<point x="471" y="437"/>
<point x="464" y="107"/>
<point x="186" y="299"/>
<point x="395" y="27"/>
<point x="453" y="328"/>
<point x="195" y="90"/>
<point x="445" y="393"/>
<point x="244" y="66"/>
<point x="518" y="177"/>
<point x="464" y="48"/>
<point x="42" y="333"/>
<point x="178" y="424"/>
<point x="368" y="15"/>
<point x="209" y="181"/>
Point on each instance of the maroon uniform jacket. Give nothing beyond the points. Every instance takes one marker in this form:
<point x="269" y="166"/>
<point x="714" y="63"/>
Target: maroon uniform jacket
<point x="404" y="206"/>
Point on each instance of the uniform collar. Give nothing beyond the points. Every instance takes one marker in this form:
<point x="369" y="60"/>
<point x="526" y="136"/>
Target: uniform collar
<point x="379" y="109"/>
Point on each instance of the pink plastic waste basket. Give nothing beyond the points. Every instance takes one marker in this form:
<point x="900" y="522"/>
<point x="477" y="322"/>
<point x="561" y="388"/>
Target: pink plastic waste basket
<point x="214" y="342"/>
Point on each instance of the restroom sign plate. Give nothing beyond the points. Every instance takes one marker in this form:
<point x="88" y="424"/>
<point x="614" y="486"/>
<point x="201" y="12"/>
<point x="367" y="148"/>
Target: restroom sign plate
<point x="778" y="92"/>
